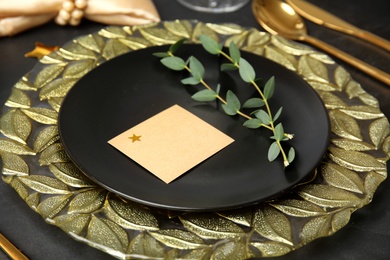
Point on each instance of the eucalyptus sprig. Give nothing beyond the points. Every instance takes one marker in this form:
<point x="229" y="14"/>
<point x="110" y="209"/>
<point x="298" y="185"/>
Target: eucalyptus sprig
<point x="261" y="116"/>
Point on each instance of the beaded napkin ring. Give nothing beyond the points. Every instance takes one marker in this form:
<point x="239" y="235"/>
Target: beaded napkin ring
<point x="71" y="12"/>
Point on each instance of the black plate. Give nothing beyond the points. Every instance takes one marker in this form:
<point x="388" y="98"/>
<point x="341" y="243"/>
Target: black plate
<point x="133" y="87"/>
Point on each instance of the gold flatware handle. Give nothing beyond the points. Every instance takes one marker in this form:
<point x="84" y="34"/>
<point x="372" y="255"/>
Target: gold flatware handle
<point x="367" y="68"/>
<point x="10" y="249"/>
<point x="324" y="18"/>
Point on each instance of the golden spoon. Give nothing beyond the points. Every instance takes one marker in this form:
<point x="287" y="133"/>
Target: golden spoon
<point x="280" y="18"/>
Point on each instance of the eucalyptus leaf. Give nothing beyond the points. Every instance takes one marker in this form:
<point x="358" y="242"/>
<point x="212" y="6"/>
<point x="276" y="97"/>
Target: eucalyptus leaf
<point x="174" y="47"/>
<point x="233" y="103"/>
<point x="161" y="54"/>
<point x="196" y="68"/>
<point x="279" y="132"/>
<point x="263" y="116"/>
<point x="174" y="63"/>
<point x="253" y="123"/>
<point x="210" y="45"/>
<point x="291" y="155"/>
<point x="253" y="103"/>
<point x="246" y="71"/>
<point x="234" y="52"/>
<point x="228" y="66"/>
<point x="190" y="81"/>
<point x="273" y="151"/>
<point x="205" y="95"/>
<point x="278" y="113"/>
<point x="218" y="89"/>
<point x="229" y="110"/>
<point x="269" y="88"/>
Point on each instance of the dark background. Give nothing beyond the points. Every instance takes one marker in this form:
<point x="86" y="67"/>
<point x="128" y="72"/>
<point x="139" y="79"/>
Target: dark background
<point x="367" y="236"/>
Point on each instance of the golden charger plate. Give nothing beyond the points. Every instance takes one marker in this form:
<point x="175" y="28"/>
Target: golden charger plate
<point x="37" y="167"/>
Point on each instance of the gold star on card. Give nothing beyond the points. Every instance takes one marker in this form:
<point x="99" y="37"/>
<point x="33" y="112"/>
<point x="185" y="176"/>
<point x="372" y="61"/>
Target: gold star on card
<point x="173" y="142"/>
<point x="135" y="138"/>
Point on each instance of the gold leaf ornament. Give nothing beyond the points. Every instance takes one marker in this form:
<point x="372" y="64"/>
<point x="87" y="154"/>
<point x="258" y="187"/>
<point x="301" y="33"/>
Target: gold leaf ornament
<point x="226" y="28"/>
<point x="14" y="165"/>
<point x="273" y="225"/>
<point x="291" y="47"/>
<point x="271" y="249"/>
<point x="11" y="146"/>
<point x="93" y="42"/>
<point x="211" y="226"/>
<point x="47" y="74"/>
<point x="130" y="215"/>
<point x="341" y="76"/>
<point x="72" y="223"/>
<point x="55" y="103"/>
<point x="315" y="228"/>
<point x="15" y="125"/>
<point x="341" y="218"/>
<point x="46" y="137"/>
<point x="231" y="249"/>
<point x="179" y="28"/>
<point x="24" y="84"/>
<point x="363" y="112"/>
<point x="44" y="184"/>
<point x="114" y="48"/>
<point x="42" y="115"/>
<point x="57" y="88"/>
<point x="378" y="131"/>
<point x="68" y="173"/>
<point x="344" y="125"/>
<point x="88" y="201"/>
<point x="50" y="207"/>
<point x="328" y="196"/>
<point x="54" y="153"/>
<point x="343" y="178"/>
<point x="356" y="161"/>
<point x="281" y="57"/>
<point x="18" y="99"/>
<point x="145" y="244"/>
<point x="176" y="238"/>
<point x="17" y="185"/>
<point x="74" y="51"/>
<point x="108" y="234"/>
<point x="312" y="69"/>
<point x="298" y="208"/>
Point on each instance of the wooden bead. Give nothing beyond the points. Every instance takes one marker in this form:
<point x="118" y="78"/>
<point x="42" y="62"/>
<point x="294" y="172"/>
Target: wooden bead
<point x="68" y="5"/>
<point x="77" y="14"/>
<point x="64" y="14"/>
<point x="74" y="22"/>
<point x="60" y="21"/>
<point x="80" y="4"/>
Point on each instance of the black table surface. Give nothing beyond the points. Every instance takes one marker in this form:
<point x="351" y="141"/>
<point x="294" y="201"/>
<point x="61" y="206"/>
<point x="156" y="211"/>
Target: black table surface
<point x="367" y="236"/>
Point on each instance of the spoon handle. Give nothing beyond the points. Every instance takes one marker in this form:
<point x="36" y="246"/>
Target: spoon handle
<point x="370" y="37"/>
<point x="370" y="70"/>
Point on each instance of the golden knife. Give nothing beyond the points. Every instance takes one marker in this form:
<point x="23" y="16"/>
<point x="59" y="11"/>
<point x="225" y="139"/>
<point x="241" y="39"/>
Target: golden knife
<point x="324" y="18"/>
<point x="10" y="249"/>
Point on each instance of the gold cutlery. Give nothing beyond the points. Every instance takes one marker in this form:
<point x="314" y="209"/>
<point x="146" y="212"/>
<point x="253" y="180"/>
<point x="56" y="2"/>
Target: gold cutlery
<point x="10" y="249"/>
<point x="324" y="18"/>
<point x="280" y="18"/>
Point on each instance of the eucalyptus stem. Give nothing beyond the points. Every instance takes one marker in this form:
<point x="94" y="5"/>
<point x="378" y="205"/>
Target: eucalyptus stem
<point x="266" y="104"/>
<point x="231" y="104"/>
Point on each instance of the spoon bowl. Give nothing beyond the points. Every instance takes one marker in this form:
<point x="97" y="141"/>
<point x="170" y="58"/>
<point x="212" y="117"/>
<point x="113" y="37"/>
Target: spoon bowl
<point x="280" y="18"/>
